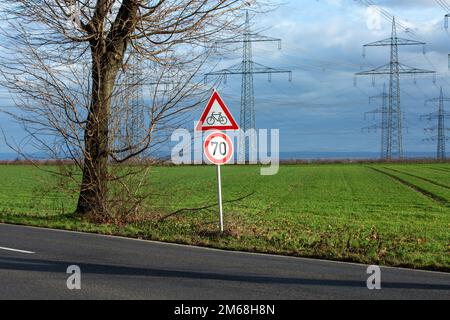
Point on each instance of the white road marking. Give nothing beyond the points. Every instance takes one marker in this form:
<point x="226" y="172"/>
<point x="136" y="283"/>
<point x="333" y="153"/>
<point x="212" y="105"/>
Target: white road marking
<point x="15" y="250"/>
<point x="343" y="263"/>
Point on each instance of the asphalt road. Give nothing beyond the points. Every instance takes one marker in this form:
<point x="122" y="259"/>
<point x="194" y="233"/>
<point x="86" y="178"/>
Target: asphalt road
<point x="118" y="268"/>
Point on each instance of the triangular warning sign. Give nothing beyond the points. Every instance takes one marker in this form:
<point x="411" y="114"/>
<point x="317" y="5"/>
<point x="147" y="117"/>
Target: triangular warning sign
<point x="216" y="116"/>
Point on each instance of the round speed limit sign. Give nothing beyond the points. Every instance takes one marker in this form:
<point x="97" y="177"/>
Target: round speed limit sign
<point x="218" y="148"/>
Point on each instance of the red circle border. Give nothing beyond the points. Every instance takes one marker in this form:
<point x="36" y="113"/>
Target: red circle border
<point x="228" y="156"/>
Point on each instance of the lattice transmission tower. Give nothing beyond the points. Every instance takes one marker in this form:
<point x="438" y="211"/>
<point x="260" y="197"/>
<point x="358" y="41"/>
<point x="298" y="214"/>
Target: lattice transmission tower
<point x="441" y="129"/>
<point x="394" y="129"/>
<point x="131" y="104"/>
<point x="383" y="125"/>
<point x="248" y="68"/>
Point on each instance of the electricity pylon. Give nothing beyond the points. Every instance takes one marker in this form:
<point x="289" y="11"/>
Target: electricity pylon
<point x="394" y="144"/>
<point x="383" y="126"/>
<point x="440" y="116"/>
<point x="131" y="104"/>
<point x="248" y="68"/>
<point x="136" y="100"/>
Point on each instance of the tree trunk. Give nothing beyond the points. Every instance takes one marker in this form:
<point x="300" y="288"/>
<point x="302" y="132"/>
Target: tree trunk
<point x="93" y="198"/>
<point x="107" y="57"/>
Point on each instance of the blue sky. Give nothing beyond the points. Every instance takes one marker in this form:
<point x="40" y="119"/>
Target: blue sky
<point x="321" y="110"/>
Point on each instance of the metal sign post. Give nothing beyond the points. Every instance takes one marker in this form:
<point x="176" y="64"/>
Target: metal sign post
<point x="219" y="194"/>
<point x="218" y="150"/>
<point x="218" y="147"/>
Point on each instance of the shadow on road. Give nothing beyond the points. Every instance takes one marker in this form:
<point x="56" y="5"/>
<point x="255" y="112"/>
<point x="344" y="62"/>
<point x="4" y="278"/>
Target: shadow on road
<point x="114" y="270"/>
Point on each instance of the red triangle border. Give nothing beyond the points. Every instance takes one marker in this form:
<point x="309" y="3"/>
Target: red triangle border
<point x="216" y="97"/>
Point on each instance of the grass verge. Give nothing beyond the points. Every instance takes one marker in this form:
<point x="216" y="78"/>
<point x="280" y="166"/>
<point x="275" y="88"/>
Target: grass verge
<point x="339" y="212"/>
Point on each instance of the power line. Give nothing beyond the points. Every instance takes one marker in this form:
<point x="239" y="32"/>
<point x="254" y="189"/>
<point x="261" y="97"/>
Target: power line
<point x="443" y="4"/>
<point x="388" y="17"/>
<point x="440" y="116"/>
<point x="392" y="146"/>
<point x="247" y="69"/>
<point x="383" y="110"/>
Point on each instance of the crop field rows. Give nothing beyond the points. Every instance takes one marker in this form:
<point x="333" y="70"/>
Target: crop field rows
<point x="435" y="185"/>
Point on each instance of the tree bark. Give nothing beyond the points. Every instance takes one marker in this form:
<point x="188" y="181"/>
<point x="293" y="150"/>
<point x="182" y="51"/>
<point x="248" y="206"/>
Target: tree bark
<point x="53" y="100"/>
<point x="107" y="57"/>
<point x="93" y="198"/>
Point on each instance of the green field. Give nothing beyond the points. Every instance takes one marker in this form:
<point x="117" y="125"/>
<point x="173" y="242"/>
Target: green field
<point x="391" y="214"/>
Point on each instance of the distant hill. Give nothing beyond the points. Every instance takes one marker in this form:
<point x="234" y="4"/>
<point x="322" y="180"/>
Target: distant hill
<point x="306" y="155"/>
<point x="286" y="156"/>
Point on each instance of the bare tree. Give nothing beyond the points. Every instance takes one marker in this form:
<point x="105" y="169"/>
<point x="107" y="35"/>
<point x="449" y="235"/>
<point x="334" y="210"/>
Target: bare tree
<point x="67" y="62"/>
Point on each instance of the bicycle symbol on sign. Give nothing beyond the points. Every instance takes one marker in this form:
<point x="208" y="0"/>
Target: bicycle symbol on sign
<point x="216" y="117"/>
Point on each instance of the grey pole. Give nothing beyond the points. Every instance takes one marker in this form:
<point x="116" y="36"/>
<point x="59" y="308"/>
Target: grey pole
<point x="219" y="193"/>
